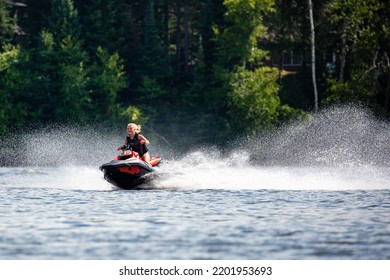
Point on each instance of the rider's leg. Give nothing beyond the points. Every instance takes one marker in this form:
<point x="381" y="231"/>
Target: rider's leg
<point x="146" y="158"/>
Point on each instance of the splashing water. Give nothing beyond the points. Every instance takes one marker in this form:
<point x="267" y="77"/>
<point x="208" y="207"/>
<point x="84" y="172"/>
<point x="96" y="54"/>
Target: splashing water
<point x="196" y="170"/>
<point x="338" y="137"/>
<point x="340" y="148"/>
<point x="69" y="146"/>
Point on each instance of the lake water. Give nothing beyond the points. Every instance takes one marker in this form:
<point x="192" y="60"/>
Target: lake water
<point x="72" y="213"/>
<point x="316" y="192"/>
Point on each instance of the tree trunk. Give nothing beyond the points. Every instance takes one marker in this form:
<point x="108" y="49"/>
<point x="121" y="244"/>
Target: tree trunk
<point x="313" y="56"/>
<point x="166" y="22"/>
<point x="343" y="53"/>
<point x="387" y="93"/>
<point x="186" y="37"/>
<point x="178" y="34"/>
<point x="374" y="83"/>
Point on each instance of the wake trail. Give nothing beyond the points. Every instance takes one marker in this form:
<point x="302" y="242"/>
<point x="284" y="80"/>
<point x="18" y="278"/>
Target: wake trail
<point x="241" y="175"/>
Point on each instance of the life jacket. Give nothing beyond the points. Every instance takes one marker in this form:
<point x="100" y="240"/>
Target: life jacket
<point x="133" y="144"/>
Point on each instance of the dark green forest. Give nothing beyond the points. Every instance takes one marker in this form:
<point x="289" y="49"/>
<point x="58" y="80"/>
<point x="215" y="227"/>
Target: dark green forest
<point x="212" y="69"/>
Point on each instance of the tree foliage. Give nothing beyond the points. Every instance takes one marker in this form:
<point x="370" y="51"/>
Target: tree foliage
<point x="12" y="81"/>
<point x="6" y="23"/>
<point x="185" y="66"/>
<point x="361" y="30"/>
<point x="254" y="99"/>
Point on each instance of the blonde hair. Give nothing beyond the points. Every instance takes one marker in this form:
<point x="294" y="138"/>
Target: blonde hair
<point x="137" y="128"/>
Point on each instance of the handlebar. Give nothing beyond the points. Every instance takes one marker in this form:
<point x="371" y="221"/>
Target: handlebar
<point x="129" y="146"/>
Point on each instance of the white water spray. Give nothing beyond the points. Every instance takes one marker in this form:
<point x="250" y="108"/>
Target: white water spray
<point x="222" y="174"/>
<point x="340" y="149"/>
<point x="343" y="148"/>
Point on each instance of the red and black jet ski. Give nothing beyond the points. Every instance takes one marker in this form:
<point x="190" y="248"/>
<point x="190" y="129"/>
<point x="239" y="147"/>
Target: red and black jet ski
<point x="128" y="171"/>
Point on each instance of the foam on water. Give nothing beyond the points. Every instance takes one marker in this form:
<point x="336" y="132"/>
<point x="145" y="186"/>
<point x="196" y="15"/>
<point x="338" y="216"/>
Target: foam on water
<point x="342" y="148"/>
<point x="235" y="174"/>
<point x="64" y="177"/>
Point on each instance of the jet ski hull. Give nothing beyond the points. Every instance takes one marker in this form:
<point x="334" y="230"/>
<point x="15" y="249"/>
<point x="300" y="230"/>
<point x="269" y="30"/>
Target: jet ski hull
<point x="129" y="173"/>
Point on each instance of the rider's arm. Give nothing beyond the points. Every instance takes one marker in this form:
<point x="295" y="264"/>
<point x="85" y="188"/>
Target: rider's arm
<point x="143" y="140"/>
<point x="123" y="147"/>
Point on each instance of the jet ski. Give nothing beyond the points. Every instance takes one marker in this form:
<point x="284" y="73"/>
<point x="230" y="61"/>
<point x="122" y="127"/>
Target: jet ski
<point x="127" y="171"/>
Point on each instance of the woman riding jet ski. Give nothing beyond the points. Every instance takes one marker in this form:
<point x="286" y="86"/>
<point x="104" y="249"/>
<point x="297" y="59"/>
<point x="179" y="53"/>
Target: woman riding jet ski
<point x="132" y="168"/>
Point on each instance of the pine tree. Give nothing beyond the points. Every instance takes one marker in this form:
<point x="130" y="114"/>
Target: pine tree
<point x="108" y="79"/>
<point x="64" y="19"/>
<point x="155" y="63"/>
<point x="102" y="26"/>
<point x="35" y="20"/>
<point x="61" y="74"/>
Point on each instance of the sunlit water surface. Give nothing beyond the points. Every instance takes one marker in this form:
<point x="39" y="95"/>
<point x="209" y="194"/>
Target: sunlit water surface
<point x="284" y="213"/>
